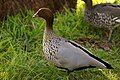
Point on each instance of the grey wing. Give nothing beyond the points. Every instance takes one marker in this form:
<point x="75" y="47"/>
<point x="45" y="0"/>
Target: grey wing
<point x="72" y="57"/>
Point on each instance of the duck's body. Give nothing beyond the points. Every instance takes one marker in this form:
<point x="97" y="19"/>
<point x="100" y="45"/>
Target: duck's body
<point x="104" y="15"/>
<point x="70" y="55"/>
<point x="64" y="53"/>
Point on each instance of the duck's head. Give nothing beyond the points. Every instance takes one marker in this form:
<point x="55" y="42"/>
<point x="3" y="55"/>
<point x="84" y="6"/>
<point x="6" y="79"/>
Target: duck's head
<point x="44" y="13"/>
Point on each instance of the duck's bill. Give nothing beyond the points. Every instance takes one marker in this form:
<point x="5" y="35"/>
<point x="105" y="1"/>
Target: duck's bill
<point x="36" y="13"/>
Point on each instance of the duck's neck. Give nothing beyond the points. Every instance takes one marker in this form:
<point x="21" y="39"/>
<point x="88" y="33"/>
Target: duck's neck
<point x="48" y="32"/>
<point x="88" y="5"/>
<point x="49" y="28"/>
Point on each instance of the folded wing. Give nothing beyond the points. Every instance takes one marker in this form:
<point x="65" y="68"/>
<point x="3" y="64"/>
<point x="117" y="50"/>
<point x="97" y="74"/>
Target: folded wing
<point x="74" y="56"/>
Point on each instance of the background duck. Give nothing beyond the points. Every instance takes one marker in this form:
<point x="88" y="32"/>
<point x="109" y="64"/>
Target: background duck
<point x="103" y="15"/>
<point x="64" y="53"/>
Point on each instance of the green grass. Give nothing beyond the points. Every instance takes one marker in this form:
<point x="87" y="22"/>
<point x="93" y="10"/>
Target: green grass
<point x="21" y="55"/>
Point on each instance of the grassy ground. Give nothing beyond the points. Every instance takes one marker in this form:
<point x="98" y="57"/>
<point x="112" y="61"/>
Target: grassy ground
<point x="21" y="56"/>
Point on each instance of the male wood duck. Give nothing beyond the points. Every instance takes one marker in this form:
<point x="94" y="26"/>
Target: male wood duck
<point x="103" y="15"/>
<point x="64" y="53"/>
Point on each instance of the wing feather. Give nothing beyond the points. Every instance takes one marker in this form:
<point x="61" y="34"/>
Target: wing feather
<point x="75" y="56"/>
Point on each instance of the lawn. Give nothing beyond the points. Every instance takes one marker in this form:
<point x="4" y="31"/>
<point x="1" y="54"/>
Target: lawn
<point x="21" y="55"/>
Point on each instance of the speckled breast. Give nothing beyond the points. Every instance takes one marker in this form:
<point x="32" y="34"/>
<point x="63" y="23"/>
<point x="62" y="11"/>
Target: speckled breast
<point x="50" y="48"/>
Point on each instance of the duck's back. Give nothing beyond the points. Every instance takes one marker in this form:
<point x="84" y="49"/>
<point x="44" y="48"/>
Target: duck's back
<point x="104" y="15"/>
<point x="107" y="8"/>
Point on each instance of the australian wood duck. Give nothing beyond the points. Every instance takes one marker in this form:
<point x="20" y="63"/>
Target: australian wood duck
<point x="64" y="53"/>
<point x="103" y="15"/>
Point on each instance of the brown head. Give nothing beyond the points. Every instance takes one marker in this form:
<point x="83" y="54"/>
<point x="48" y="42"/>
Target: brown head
<point x="46" y="14"/>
